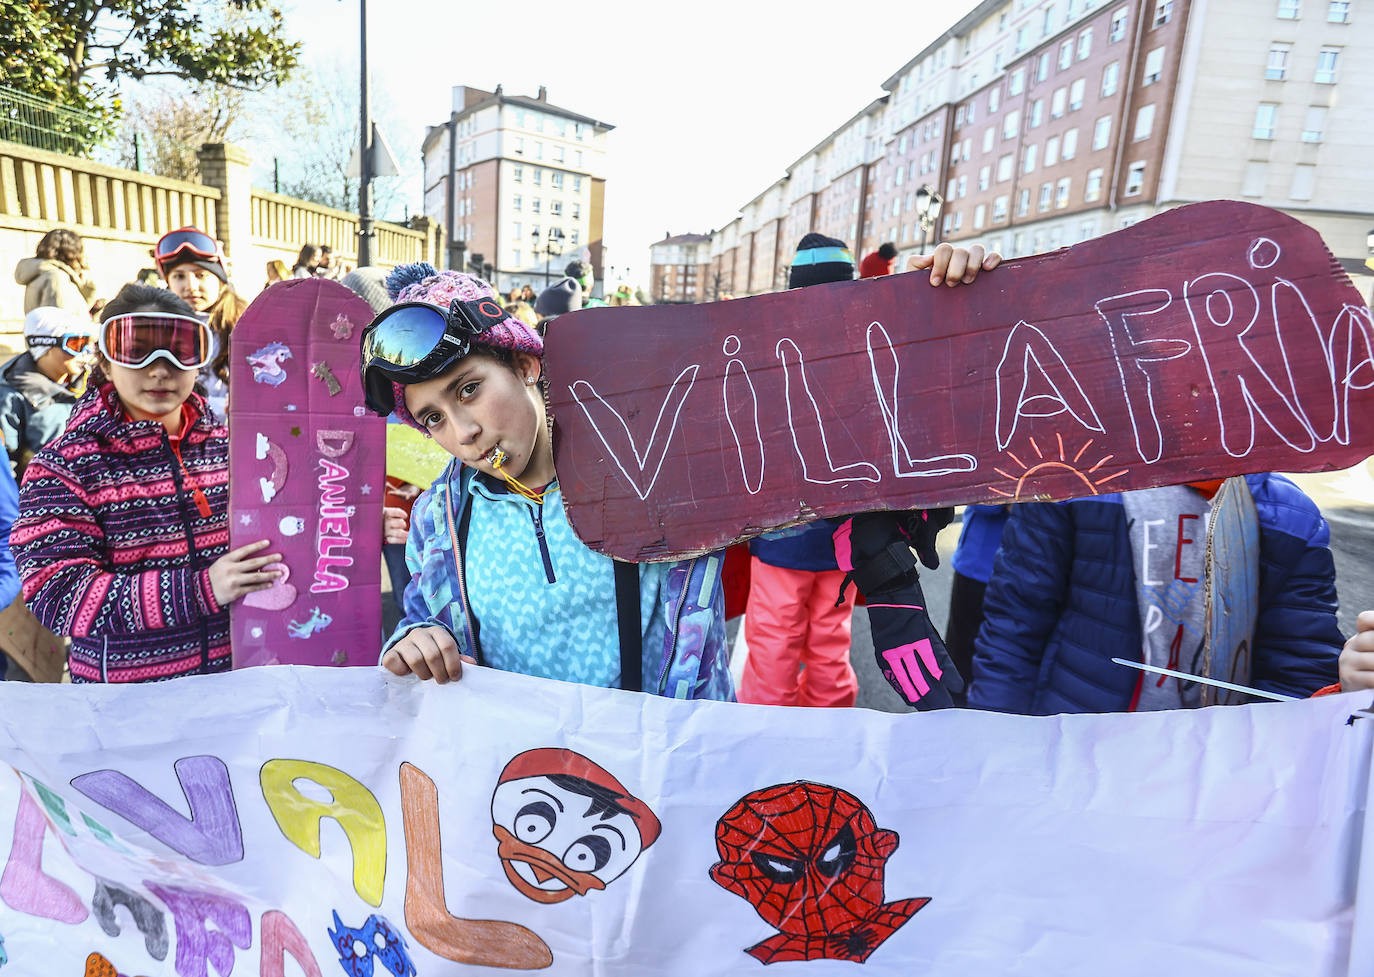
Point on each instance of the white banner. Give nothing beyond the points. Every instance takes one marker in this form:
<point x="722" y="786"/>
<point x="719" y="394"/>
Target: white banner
<point x="296" y="821"/>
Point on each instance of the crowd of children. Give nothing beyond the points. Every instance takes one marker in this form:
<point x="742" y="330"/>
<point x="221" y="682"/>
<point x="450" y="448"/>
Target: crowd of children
<point x="121" y="533"/>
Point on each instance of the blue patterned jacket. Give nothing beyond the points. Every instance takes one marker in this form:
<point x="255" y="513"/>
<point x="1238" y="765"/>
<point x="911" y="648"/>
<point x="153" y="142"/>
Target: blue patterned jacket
<point x="534" y="599"/>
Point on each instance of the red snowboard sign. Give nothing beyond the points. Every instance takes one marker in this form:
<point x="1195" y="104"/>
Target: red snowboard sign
<point x="1213" y="340"/>
<point x="308" y="473"/>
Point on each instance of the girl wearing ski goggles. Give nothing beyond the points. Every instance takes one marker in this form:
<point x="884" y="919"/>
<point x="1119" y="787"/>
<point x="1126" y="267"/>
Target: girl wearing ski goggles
<point x="124" y="517"/>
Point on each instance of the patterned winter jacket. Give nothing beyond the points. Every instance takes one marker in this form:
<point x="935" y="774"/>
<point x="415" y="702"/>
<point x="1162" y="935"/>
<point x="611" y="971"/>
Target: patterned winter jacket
<point x="114" y="543"/>
<point x="681" y="604"/>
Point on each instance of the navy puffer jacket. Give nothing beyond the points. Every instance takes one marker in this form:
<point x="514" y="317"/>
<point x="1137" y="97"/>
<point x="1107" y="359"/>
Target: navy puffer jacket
<point x="1062" y="603"/>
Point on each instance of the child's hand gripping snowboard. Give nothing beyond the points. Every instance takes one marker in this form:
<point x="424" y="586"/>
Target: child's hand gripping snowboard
<point x="874" y="550"/>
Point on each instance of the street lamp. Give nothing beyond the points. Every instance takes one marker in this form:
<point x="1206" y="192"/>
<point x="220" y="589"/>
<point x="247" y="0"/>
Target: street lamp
<point x="928" y="204"/>
<point x="555" y="234"/>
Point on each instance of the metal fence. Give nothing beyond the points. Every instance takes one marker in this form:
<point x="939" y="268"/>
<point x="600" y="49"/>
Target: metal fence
<point x="46" y="125"/>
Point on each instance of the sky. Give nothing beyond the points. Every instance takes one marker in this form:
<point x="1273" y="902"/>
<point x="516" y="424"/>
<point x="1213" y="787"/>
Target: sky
<point x="711" y="100"/>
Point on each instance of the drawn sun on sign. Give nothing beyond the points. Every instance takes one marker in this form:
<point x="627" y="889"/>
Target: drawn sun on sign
<point x="1056" y="476"/>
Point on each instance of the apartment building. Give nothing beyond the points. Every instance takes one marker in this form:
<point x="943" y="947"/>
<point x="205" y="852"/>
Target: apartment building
<point x="519" y="183"/>
<point x="680" y="270"/>
<point x="1043" y="123"/>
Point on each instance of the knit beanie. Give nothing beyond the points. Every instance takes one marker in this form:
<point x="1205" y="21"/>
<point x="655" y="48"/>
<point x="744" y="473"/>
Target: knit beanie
<point x="820" y="259"/>
<point x="419" y="282"/>
<point x="369" y="284"/>
<point x="564" y="295"/>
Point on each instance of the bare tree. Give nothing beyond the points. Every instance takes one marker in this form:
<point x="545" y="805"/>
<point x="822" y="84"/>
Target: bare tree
<point x="172" y="127"/>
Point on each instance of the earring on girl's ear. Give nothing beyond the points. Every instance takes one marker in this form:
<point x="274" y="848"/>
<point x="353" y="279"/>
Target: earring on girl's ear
<point x="529" y="380"/>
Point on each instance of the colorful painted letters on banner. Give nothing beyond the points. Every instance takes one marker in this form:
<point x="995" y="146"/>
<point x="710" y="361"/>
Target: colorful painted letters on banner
<point x="308" y="464"/>
<point x="305" y="821"/>
<point x="1216" y="339"/>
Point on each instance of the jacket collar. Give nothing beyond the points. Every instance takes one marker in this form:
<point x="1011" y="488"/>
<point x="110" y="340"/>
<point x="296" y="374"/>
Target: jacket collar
<point x="100" y="414"/>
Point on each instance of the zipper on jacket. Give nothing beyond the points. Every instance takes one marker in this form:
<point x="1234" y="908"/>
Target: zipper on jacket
<point x="191" y="550"/>
<point x="675" y="624"/>
<point x="536" y="514"/>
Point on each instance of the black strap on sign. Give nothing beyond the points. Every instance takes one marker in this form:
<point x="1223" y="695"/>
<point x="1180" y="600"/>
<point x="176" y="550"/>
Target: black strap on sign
<point x="627" y="620"/>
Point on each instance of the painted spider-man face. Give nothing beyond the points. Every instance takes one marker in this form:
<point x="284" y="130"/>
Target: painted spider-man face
<point x="810" y="859"/>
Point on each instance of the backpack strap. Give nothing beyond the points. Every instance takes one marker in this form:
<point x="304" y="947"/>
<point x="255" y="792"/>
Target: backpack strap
<point x="627" y="621"/>
<point x="459" y="538"/>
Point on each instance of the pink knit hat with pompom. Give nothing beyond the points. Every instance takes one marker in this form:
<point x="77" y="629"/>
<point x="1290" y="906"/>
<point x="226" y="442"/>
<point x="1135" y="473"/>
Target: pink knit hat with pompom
<point x="421" y="282"/>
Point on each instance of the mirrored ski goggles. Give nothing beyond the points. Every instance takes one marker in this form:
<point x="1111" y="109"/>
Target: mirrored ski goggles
<point x="416" y="341"/>
<point x="185" y="241"/>
<point x="137" y="339"/>
<point x="75" y="343"/>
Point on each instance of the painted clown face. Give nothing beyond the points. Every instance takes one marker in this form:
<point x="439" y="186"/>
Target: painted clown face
<point x="810" y="859"/>
<point x="564" y="826"/>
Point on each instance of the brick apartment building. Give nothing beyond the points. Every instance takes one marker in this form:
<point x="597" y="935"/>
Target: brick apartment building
<point x="519" y="182"/>
<point x="1042" y="124"/>
<point x="679" y="269"/>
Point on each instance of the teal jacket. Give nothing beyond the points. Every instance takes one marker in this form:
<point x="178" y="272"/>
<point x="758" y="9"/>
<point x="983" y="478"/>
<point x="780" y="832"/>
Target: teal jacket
<point x="524" y="594"/>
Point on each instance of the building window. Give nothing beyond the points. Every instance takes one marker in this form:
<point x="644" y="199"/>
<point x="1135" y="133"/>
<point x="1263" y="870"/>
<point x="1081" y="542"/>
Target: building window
<point x="988" y="136"/>
<point x="1277" y="68"/>
<point x="1289" y="9"/>
<point x="1118" y="25"/>
<point x="555" y="208"/>
<point x="1046" y="191"/>
<point x="1154" y="66"/>
<point x="1304" y="182"/>
<point x="1011" y="124"/>
<point x="1051" y="150"/>
<point x="1338" y="12"/>
<point x="538" y="177"/>
<point x="518" y="174"/>
<point x="556" y="180"/>
<point x="1076" y="93"/>
<point x="1265" y="117"/>
<point x="1047" y="23"/>
<point x="1028" y="158"/>
<point x="1092" y="190"/>
<point x="1070" y="149"/>
<point x="1061" y="193"/>
<point x="577" y="158"/>
<point x="1085" y="43"/>
<point x="994" y="99"/>
<point x="1111" y="76"/>
<point x="577" y="184"/>
<point x="985" y="176"/>
<point x="999" y="209"/>
<point x="517" y="203"/>
<point x="1256" y="176"/>
<point x="1163" y="10"/>
<point x="1102" y="132"/>
<point x="1057" y="102"/>
<point x="1135" y="179"/>
<point x="1042" y="67"/>
<point x="1327" y="59"/>
<point x="1022" y="203"/>
<point x="576" y="211"/>
<point x="1016" y="84"/>
<point x="963" y="187"/>
<point x="516" y="253"/>
<point x="1004" y="165"/>
<point x="980" y="214"/>
<point x="1144" y="122"/>
<point x="558" y="154"/>
<point x="538" y="149"/>
<point x="577" y="130"/>
<point x="1021" y="33"/>
<point x="1314" y="123"/>
<point x="968" y="149"/>
<point x="896" y="207"/>
<point x="574" y="237"/>
<point x="534" y="205"/>
<point x="520" y="145"/>
<point x="949" y="221"/>
<point x="1065" y="54"/>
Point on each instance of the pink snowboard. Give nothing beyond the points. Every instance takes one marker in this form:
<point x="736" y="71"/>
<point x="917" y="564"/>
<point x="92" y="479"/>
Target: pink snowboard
<point x="307" y="463"/>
